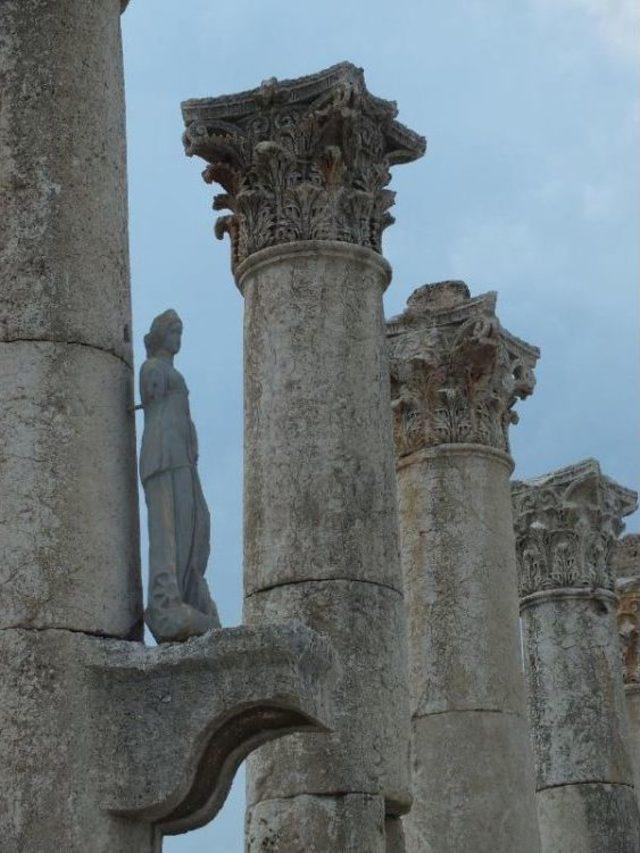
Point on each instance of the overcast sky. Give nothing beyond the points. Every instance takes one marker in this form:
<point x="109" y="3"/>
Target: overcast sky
<point x="529" y="187"/>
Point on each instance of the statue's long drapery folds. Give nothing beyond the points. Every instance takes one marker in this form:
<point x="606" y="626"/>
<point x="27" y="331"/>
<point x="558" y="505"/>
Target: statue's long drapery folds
<point x="179" y="603"/>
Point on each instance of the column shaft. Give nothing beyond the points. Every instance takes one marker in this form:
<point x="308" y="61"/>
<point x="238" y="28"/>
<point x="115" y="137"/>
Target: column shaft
<point x="472" y="775"/>
<point x="321" y="529"/>
<point x="68" y="514"/>
<point x="565" y="526"/>
<point x="626" y="565"/>
<point x="304" y="165"/>
<point x="68" y="500"/>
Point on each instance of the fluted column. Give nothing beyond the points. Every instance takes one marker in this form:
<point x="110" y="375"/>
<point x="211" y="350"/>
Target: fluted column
<point x="626" y="565"/>
<point x="566" y="526"/>
<point x="304" y="165"/>
<point x="455" y="376"/>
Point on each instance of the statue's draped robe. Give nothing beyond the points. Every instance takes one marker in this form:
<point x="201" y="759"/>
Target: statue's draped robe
<point x="179" y="523"/>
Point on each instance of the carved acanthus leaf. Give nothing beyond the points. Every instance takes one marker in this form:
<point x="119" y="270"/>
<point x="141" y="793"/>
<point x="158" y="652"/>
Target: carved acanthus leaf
<point x="304" y="159"/>
<point x="455" y="372"/>
<point x="566" y="525"/>
<point x="626" y="566"/>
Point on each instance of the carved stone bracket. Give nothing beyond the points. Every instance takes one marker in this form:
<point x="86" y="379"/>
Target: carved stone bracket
<point x="566" y="525"/>
<point x="304" y="159"/>
<point x="626" y="565"/>
<point x="455" y="372"/>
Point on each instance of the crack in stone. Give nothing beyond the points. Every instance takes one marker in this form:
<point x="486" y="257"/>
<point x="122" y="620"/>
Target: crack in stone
<point x="67" y="343"/>
<point x="325" y="580"/>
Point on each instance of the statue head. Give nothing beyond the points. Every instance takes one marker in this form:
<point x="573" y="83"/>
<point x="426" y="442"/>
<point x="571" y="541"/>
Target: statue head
<point x="165" y="334"/>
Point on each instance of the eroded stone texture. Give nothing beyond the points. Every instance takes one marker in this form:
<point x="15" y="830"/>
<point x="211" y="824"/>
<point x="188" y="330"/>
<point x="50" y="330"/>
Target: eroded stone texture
<point x="368" y="751"/>
<point x="68" y="513"/>
<point x="351" y="823"/>
<point x="137" y="742"/>
<point x="304" y="165"/>
<point x="589" y="818"/>
<point x="626" y="566"/>
<point x="63" y="232"/>
<point x="455" y="377"/>
<point x="473" y="780"/>
<point x="566" y="526"/>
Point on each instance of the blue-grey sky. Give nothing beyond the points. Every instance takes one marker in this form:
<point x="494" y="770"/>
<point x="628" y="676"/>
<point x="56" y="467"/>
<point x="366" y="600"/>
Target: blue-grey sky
<point x="529" y="187"/>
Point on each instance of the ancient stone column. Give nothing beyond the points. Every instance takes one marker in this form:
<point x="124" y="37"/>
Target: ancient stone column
<point x="68" y="513"/>
<point x="566" y="525"/>
<point x="455" y="377"/>
<point x="626" y="566"/>
<point x="305" y="164"/>
<point x="105" y="745"/>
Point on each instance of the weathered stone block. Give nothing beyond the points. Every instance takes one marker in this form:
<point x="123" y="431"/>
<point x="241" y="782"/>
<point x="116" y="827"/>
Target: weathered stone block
<point x="319" y="480"/>
<point x="64" y="260"/>
<point x="458" y="555"/>
<point x="588" y="818"/>
<point x="350" y="823"/>
<point x="369" y="750"/>
<point x="481" y="797"/>
<point x="68" y="515"/>
<point x="107" y="745"/>
<point x="578" y="715"/>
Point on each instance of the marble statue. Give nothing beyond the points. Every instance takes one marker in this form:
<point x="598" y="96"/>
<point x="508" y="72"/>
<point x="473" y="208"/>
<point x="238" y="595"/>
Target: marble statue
<point x="179" y="604"/>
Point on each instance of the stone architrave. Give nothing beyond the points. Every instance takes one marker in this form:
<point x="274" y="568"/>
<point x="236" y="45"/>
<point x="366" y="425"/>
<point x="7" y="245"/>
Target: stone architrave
<point x="566" y="524"/>
<point x="455" y="377"/>
<point x="105" y="745"/>
<point x="626" y="567"/>
<point x="304" y="165"/>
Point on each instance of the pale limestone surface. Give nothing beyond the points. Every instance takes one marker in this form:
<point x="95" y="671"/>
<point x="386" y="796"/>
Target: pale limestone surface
<point x="135" y="742"/>
<point x="459" y="553"/>
<point x="626" y="566"/>
<point x="352" y="823"/>
<point x="479" y="781"/>
<point x="304" y="165"/>
<point x="589" y="818"/>
<point x="319" y="488"/>
<point x="68" y="513"/>
<point x="455" y="377"/>
<point x="368" y="751"/>
<point x="64" y="260"/>
<point x="566" y="524"/>
<point x="68" y="525"/>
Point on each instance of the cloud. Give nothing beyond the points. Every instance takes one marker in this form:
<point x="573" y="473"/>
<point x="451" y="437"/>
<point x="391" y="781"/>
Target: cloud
<point x="616" y="22"/>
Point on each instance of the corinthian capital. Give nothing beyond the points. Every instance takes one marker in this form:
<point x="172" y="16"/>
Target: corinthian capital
<point x="567" y="524"/>
<point x="626" y="566"/>
<point x="456" y="374"/>
<point x="304" y="159"/>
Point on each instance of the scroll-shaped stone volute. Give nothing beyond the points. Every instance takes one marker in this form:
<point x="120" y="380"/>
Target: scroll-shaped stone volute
<point x="456" y="374"/>
<point x="566" y="525"/>
<point x="179" y="603"/>
<point x="626" y="565"/>
<point x="303" y="159"/>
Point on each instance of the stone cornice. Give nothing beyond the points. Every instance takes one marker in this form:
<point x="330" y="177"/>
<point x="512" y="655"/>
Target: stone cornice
<point x="566" y="525"/>
<point x="303" y="159"/>
<point x="626" y="565"/>
<point x="455" y="372"/>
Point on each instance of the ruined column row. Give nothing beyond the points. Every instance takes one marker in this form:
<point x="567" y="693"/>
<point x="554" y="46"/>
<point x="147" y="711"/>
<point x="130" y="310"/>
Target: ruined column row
<point x="456" y="374"/>
<point x="304" y="168"/>
<point x="567" y="528"/>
